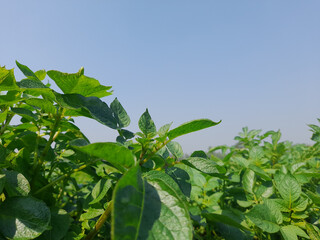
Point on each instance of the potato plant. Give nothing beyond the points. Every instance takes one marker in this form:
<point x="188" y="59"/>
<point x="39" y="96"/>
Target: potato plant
<point x="55" y="184"/>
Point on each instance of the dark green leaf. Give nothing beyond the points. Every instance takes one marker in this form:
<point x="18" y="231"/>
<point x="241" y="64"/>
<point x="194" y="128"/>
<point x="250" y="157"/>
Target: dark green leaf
<point x="100" y="190"/>
<point x="23" y="218"/>
<point x="146" y="124"/>
<point x="16" y="184"/>
<point x="191" y="126"/>
<point x="203" y="165"/>
<point x="26" y="71"/>
<point x="24" y="112"/>
<point x="120" y="114"/>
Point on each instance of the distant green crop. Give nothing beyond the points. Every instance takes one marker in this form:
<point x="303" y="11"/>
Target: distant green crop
<point x="55" y="184"/>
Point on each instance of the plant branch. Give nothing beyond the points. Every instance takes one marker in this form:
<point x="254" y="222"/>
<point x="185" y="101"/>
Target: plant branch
<point x="66" y="175"/>
<point x="103" y="218"/>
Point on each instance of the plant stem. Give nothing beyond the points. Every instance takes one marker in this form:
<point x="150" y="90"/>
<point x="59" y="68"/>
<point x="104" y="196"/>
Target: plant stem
<point x="103" y="218"/>
<point x="66" y="175"/>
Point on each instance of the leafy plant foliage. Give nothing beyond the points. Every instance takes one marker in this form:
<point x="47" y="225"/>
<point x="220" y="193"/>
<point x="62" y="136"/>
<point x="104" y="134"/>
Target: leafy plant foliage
<point x="55" y="184"/>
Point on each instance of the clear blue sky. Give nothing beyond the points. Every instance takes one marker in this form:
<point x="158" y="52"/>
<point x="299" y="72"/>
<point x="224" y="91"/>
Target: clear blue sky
<point x="248" y="63"/>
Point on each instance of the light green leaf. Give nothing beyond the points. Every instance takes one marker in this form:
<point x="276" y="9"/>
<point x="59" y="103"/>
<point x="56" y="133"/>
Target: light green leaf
<point x="3" y="116"/>
<point x="288" y="187"/>
<point x="291" y="232"/>
<point x="100" y="190"/>
<point x="91" y="213"/>
<point x="120" y="114"/>
<point x="146" y="124"/>
<point x="175" y="148"/>
<point x="312" y="232"/>
<point x="248" y="180"/>
<point x="79" y="84"/>
<point x="42" y="104"/>
<point x="203" y="165"/>
<point x="162" y="132"/>
<point x="266" y="216"/>
<point x="23" y="218"/>
<point x="7" y="80"/>
<point x="118" y="155"/>
<point x="41" y="74"/>
<point x="191" y="126"/>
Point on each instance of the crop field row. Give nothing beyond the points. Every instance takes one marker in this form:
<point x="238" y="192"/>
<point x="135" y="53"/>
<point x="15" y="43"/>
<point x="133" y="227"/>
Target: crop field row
<point x="55" y="184"/>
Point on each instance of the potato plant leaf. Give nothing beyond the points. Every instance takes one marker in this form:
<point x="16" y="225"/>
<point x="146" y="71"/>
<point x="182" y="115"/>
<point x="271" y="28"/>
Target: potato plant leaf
<point x="146" y="124"/>
<point x="79" y="83"/>
<point x="120" y="114"/>
<point x="118" y="155"/>
<point x="191" y="126"/>
<point x="16" y="184"/>
<point x="23" y="218"/>
<point x="291" y="232"/>
<point x="27" y="71"/>
<point x="288" y="187"/>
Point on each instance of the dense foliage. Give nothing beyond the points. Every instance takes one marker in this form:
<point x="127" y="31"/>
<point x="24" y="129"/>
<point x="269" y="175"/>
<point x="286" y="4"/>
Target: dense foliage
<point x="55" y="184"/>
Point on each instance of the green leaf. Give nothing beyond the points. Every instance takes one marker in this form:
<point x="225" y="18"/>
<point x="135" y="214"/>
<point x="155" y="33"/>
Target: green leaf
<point x="60" y="223"/>
<point x="23" y="218"/>
<point x="266" y="216"/>
<point x="191" y="126"/>
<point x="291" y="232"/>
<point x="174" y="221"/>
<point x="23" y="112"/>
<point x="3" y="116"/>
<point x="91" y="213"/>
<point x="120" y="114"/>
<point x="41" y="74"/>
<point x="146" y="124"/>
<point x="16" y="184"/>
<point x="248" y="180"/>
<point x="100" y="190"/>
<point x="26" y="71"/>
<point x="203" y="165"/>
<point x="30" y="83"/>
<point x="182" y="178"/>
<point x="312" y="232"/>
<point x="176" y="149"/>
<point x="288" y="187"/>
<point x="42" y="104"/>
<point x="128" y="203"/>
<point x="97" y="109"/>
<point x="260" y="172"/>
<point x="118" y="155"/>
<point x="7" y="80"/>
<point x="79" y="84"/>
<point x="162" y="132"/>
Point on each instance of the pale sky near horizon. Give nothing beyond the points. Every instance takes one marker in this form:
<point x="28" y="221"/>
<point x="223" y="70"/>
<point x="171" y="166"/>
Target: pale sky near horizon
<point x="247" y="63"/>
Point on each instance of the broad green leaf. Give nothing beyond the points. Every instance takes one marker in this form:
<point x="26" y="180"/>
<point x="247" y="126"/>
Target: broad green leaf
<point x="120" y="114"/>
<point x="162" y="132"/>
<point x="176" y="149"/>
<point x="182" y="178"/>
<point x="265" y="190"/>
<point x="23" y="112"/>
<point x="146" y="124"/>
<point x="41" y="74"/>
<point x="100" y="190"/>
<point x="248" y="180"/>
<point x="266" y="216"/>
<point x="260" y="172"/>
<point x="16" y="184"/>
<point x="203" y="165"/>
<point x="3" y="116"/>
<point x="291" y="232"/>
<point x="42" y="104"/>
<point x="288" y="187"/>
<point x="23" y="218"/>
<point x="7" y="80"/>
<point x="201" y="154"/>
<point x="33" y="84"/>
<point x="59" y="224"/>
<point x="27" y="71"/>
<point x="174" y="221"/>
<point x="191" y="126"/>
<point x="128" y="205"/>
<point x="97" y="109"/>
<point x="300" y="205"/>
<point x="79" y="84"/>
<point x="312" y="232"/>
<point x="118" y="155"/>
<point x="314" y="197"/>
